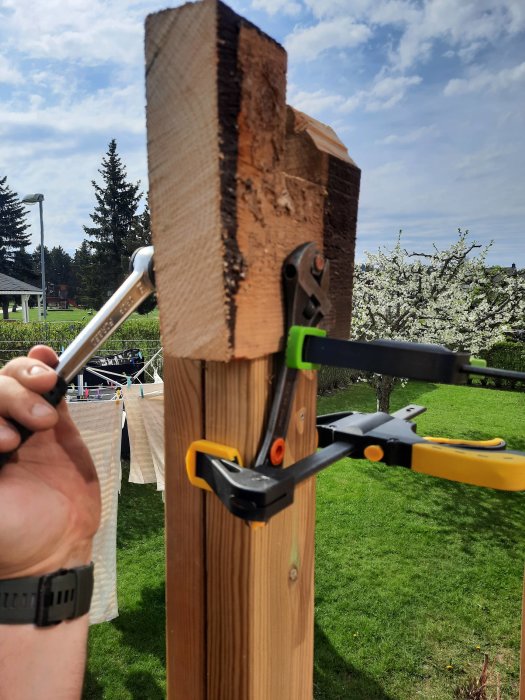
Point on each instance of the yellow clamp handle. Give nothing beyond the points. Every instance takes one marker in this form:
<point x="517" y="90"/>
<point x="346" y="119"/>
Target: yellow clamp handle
<point x="488" y="444"/>
<point x="495" y="470"/>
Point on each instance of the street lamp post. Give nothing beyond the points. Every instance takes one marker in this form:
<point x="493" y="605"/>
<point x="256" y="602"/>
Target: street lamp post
<point x="33" y="199"/>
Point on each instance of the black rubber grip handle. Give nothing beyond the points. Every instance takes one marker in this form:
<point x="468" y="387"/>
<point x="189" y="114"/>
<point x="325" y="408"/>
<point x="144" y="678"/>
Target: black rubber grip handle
<point x="53" y="397"/>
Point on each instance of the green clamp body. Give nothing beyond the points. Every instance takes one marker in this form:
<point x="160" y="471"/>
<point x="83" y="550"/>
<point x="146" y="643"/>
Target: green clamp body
<point x="295" y="344"/>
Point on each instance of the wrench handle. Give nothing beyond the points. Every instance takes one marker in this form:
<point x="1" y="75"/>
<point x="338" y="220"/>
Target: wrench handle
<point x="53" y="397"/>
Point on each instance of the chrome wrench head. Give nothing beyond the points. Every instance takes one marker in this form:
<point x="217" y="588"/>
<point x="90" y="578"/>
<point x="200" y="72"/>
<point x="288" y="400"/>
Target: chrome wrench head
<point x="134" y="290"/>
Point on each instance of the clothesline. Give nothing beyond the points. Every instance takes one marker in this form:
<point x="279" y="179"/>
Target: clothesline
<point x="100" y="424"/>
<point x="109" y="375"/>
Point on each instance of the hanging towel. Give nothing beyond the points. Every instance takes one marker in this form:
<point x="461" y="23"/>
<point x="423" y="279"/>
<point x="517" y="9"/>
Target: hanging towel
<point x="153" y="414"/>
<point x="141" y="466"/>
<point x="100" y="425"/>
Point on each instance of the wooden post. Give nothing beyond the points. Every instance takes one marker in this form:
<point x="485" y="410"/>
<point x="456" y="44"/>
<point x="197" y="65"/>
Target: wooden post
<point x="225" y="214"/>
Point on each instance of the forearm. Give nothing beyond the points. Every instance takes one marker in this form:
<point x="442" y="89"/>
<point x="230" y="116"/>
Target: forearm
<point x="43" y="662"/>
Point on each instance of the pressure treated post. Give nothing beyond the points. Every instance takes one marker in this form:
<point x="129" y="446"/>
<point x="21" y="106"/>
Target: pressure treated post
<point x="225" y="214"/>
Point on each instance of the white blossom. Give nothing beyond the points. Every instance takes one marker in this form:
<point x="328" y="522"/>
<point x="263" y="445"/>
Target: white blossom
<point x="449" y="297"/>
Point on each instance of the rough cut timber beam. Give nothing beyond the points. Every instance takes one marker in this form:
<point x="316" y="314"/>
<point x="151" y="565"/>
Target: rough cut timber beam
<point x="225" y="214"/>
<point x="314" y="152"/>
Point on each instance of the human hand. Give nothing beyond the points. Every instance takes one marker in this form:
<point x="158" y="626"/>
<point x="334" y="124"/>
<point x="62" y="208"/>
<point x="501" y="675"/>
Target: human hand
<point x="49" y="493"/>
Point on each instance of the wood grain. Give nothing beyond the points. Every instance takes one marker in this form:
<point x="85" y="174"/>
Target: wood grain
<point x="185" y="535"/>
<point x="314" y="152"/>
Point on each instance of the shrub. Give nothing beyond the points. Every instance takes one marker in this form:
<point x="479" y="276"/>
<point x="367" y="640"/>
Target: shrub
<point x="17" y="338"/>
<point x="505" y="355"/>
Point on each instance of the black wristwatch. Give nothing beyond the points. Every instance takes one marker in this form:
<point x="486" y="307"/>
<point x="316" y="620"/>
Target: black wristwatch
<point x="46" y="600"/>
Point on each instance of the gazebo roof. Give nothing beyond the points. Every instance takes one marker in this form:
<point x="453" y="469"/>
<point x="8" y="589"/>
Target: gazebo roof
<point x="10" y="285"/>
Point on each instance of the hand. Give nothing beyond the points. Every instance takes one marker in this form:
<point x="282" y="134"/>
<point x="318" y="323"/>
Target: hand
<point x="49" y="493"/>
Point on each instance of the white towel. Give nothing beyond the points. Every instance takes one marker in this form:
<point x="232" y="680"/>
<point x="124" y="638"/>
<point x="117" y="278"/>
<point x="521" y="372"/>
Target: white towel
<point x="141" y="466"/>
<point x="100" y="425"/>
<point x="153" y="412"/>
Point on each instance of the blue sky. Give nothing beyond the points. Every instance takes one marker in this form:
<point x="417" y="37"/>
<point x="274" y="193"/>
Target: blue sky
<point x="428" y="96"/>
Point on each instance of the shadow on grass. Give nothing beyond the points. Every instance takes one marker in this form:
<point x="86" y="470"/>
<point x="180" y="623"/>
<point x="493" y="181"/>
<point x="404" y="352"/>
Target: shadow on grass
<point x="143" y="686"/>
<point x="336" y="679"/>
<point x="141" y="511"/>
<point x="471" y="513"/>
<point x="142" y="628"/>
<point x="411" y="393"/>
<point x="92" y="690"/>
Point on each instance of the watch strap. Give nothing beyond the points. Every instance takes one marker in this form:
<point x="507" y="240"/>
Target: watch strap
<point x="47" y="600"/>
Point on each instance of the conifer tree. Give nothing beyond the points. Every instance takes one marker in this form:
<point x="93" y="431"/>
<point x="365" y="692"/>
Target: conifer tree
<point x="23" y="268"/>
<point x="83" y="275"/>
<point x="141" y="236"/>
<point x="13" y="233"/>
<point x="13" y="226"/>
<point x="114" y="220"/>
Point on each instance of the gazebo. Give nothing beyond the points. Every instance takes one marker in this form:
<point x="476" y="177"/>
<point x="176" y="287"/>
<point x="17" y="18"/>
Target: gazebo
<point x="10" y="286"/>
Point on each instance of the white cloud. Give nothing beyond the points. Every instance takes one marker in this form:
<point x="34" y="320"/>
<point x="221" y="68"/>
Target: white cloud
<point x="306" y="43"/>
<point x="112" y="110"/>
<point x="493" y="82"/>
<point x="335" y="8"/>
<point x="87" y="32"/>
<point x="409" y="137"/>
<point x="313" y="102"/>
<point x="468" y="53"/>
<point x="384" y="94"/>
<point x="8" y="74"/>
<point x="273" y="7"/>
<point x="468" y="25"/>
<point x="387" y="92"/>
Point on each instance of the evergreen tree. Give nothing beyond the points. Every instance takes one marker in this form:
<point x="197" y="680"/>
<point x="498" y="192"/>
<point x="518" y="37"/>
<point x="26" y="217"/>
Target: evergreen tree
<point x="59" y="268"/>
<point x="82" y="270"/>
<point x="23" y="268"/>
<point x="13" y="227"/>
<point x="141" y="236"/>
<point x="114" y="221"/>
<point x="37" y="262"/>
<point x="13" y="233"/>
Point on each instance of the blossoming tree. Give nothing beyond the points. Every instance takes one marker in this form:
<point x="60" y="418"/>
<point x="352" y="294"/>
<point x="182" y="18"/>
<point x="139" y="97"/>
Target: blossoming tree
<point x="448" y="296"/>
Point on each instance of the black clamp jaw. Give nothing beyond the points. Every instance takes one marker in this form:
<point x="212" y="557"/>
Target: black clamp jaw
<point x="257" y="494"/>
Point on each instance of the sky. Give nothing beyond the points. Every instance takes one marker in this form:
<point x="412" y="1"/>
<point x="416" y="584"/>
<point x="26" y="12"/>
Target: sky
<point x="427" y="95"/>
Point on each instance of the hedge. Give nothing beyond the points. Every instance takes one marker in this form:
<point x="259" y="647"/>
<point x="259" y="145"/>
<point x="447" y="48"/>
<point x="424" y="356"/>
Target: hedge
<point x="505" y="355"/>
<point x="16" y="338"/>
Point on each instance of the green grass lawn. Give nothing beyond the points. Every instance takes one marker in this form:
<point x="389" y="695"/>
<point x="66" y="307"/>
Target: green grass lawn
<point x="416" y="578"/>
<point x="72" y="314"/>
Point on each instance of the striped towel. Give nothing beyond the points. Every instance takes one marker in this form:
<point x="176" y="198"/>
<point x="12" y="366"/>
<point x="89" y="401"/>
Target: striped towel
<point x="100" y="424"/>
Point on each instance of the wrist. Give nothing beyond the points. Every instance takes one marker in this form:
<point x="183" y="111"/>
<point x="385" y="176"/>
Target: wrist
<point x="64" y="557"/>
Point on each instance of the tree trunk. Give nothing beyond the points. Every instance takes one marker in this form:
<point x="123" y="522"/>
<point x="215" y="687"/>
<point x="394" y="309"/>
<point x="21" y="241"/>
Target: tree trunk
<point x="384" y="389"/>
<point x="5" y="308"/>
